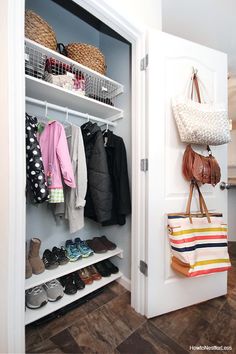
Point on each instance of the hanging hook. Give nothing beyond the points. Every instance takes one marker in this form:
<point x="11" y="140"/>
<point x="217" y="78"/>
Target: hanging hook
<point x="46" y="109"/>
<point x="107" y="128"/>
<point x="88" y="118"/>
<point x="195" y="71"/>
<point x="67" y="114"/>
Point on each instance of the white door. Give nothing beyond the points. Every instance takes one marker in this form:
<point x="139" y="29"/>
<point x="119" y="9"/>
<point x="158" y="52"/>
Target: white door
<point x="170" y="62"/>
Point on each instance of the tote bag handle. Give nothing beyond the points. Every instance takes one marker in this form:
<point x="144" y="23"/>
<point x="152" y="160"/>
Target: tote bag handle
<point x="202" y="203"/>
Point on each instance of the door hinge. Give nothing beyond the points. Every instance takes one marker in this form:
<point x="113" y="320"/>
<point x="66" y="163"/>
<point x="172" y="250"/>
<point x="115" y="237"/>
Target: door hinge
<point x="144" y="63"/>
<point x="144" y="165"/>
<point x="143" y="267"/>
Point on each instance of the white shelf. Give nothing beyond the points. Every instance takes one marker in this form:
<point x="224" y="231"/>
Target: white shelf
<point x="45" y="91"/>
<point x="70" y="267"/>
<point x="33" y="315"/>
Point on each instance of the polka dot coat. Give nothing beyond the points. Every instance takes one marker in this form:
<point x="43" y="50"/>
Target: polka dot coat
<point x="34" y="164"/>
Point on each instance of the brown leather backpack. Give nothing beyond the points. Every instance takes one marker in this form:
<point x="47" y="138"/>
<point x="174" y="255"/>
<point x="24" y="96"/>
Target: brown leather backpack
<point x="203" y="169"/>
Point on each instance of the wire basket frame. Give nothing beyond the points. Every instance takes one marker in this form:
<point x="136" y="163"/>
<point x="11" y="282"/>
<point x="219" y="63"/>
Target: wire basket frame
<point x="70" y="76"/>
<point x="34" y="62"/>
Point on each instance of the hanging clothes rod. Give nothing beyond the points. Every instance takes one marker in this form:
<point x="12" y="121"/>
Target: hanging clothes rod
<point x="68" y="111"/>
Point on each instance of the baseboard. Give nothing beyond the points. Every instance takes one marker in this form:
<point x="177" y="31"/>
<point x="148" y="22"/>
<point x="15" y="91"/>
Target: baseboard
<point x="125" y="282"/>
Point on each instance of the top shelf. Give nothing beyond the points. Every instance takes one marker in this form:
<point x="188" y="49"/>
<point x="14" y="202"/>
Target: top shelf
<point x="55" y="78"/>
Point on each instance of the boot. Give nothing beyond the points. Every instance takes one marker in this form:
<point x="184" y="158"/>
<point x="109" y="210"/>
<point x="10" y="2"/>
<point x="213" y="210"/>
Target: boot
<point x="34" y="259"/>
<point x="28" y="268"/>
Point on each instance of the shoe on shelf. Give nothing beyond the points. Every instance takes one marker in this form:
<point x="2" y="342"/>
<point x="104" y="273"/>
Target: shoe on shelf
<point x="78" y="281"/>
<point x="104" y="271"/>
<point x="36" y="297"/>
<point x="84" y="249"/>
<point x="54" y="290"/>
<point x="67" y="282"/>
<point x="28" y="268"/>
<point x="85" y="276"/>
<point x="72" y="251"/>
<point x="108" y="244"/>
<point x="96" y="245"/>
<point x="50" y="260"/>
<point x="60" y="253"/>
<point x="93" y="272"/>
<point x="110" y="266"/>
<point x="34" y="259"/>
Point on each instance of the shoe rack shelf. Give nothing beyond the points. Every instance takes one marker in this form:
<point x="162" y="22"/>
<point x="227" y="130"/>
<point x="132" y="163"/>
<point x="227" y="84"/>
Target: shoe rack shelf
<point x="36" y="314"/>
<point x="70" y="267"/>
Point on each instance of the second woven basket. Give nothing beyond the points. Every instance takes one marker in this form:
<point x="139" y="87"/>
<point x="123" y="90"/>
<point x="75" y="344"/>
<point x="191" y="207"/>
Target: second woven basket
<point x="87" y="55"/>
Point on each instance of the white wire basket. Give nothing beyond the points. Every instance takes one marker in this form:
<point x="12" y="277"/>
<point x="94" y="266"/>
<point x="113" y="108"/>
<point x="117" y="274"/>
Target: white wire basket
<point x="50" y="66"/>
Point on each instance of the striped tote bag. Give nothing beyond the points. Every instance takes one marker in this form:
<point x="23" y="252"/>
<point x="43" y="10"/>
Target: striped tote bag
<point x="198" y="241"/>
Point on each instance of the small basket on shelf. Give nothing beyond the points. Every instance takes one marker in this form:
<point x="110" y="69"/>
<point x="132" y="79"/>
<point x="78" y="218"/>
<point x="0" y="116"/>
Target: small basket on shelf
<point x="87" y="55"/>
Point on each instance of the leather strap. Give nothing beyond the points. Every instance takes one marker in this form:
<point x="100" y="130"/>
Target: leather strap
<point x="202" y="203"/>
<point x="196" y="85"/>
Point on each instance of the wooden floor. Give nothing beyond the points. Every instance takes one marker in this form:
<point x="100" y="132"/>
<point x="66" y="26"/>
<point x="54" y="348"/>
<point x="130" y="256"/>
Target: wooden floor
<point x="107" y="324"/>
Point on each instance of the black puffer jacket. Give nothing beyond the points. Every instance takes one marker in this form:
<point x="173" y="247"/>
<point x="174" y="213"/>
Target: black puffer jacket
<point x="99" y="194"/>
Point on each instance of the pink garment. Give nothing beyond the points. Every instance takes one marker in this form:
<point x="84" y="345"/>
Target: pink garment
<point x="56" y="157"/>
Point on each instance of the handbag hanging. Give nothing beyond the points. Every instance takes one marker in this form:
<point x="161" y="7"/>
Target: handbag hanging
<point x="200" y="123"/>
<point x="203" y="169"/>
<point x="198" y="240"/>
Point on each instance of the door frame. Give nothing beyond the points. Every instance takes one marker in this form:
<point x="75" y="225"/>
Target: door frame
<point x="13" y="226"/>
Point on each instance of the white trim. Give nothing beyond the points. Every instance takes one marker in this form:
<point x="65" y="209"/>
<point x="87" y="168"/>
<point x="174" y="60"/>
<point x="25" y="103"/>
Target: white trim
<point x="125" y="282"/>
<point x="12" y="126"/>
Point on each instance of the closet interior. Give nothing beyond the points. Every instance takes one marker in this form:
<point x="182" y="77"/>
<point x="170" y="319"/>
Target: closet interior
<point x="101" y="99"/>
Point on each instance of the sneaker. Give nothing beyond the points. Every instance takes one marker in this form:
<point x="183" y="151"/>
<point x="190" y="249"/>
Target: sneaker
<point x="54" y="290"/>
<point x="50" y="260"/>
<point x="71" y="251"/>
<point x="36" y="297"/>
<point x="78" y="281"/>
<point x="84" y="249"/>
<point x="60" y="253"/>
<point x="67" y="282"/>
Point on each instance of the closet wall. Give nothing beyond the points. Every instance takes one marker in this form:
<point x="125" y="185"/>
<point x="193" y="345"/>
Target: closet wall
<point x="70" y="28"/>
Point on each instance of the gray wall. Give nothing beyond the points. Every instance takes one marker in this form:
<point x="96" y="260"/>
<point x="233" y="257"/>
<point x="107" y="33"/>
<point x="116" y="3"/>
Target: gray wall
<point x="69" y="28"/>
<point x="211" y="23"/>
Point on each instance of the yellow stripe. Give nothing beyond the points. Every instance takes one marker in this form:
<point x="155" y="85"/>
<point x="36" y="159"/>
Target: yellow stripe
<point x="212" y="261"/>
<point x="190" y="231"/>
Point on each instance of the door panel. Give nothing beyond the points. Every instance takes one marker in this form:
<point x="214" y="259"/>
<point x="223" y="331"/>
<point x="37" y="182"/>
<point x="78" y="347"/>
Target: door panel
<point x="169" y="70"/>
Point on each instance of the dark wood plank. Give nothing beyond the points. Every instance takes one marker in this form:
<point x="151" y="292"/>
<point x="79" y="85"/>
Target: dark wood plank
<point x="149" y="340"/>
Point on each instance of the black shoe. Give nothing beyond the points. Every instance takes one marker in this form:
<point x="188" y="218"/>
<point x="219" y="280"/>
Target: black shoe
<point x="104" y="271"/>
<point x="78" y="281"/>
<point x="68" y="283"/>
<point x="60" y="254"/>
<point x="110" y="266"/>
<point x="50" y="260"/>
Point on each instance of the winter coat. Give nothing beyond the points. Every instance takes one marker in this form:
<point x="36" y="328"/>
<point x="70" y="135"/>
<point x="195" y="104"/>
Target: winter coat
<point x="34" y="165"/>
<point x="75" y="198"/>
<point x="56" y="157"/>
<point x="99" y="196"/>
<point x="117" y="166"/>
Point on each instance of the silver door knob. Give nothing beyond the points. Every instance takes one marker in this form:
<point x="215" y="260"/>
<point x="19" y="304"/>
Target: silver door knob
<point x="225" y="185"/>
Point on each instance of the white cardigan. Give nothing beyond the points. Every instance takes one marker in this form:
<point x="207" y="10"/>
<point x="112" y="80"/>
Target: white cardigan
<point x="75" y="197"/>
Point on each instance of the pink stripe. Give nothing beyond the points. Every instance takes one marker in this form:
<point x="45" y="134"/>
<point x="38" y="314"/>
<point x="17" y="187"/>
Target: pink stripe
<point x="198" y="238"/>
<point x="208" y="271"/>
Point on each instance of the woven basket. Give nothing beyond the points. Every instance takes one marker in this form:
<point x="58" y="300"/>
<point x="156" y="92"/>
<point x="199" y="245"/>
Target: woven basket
<point x="39" y="30"/>
<point x="87" y="55"/>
